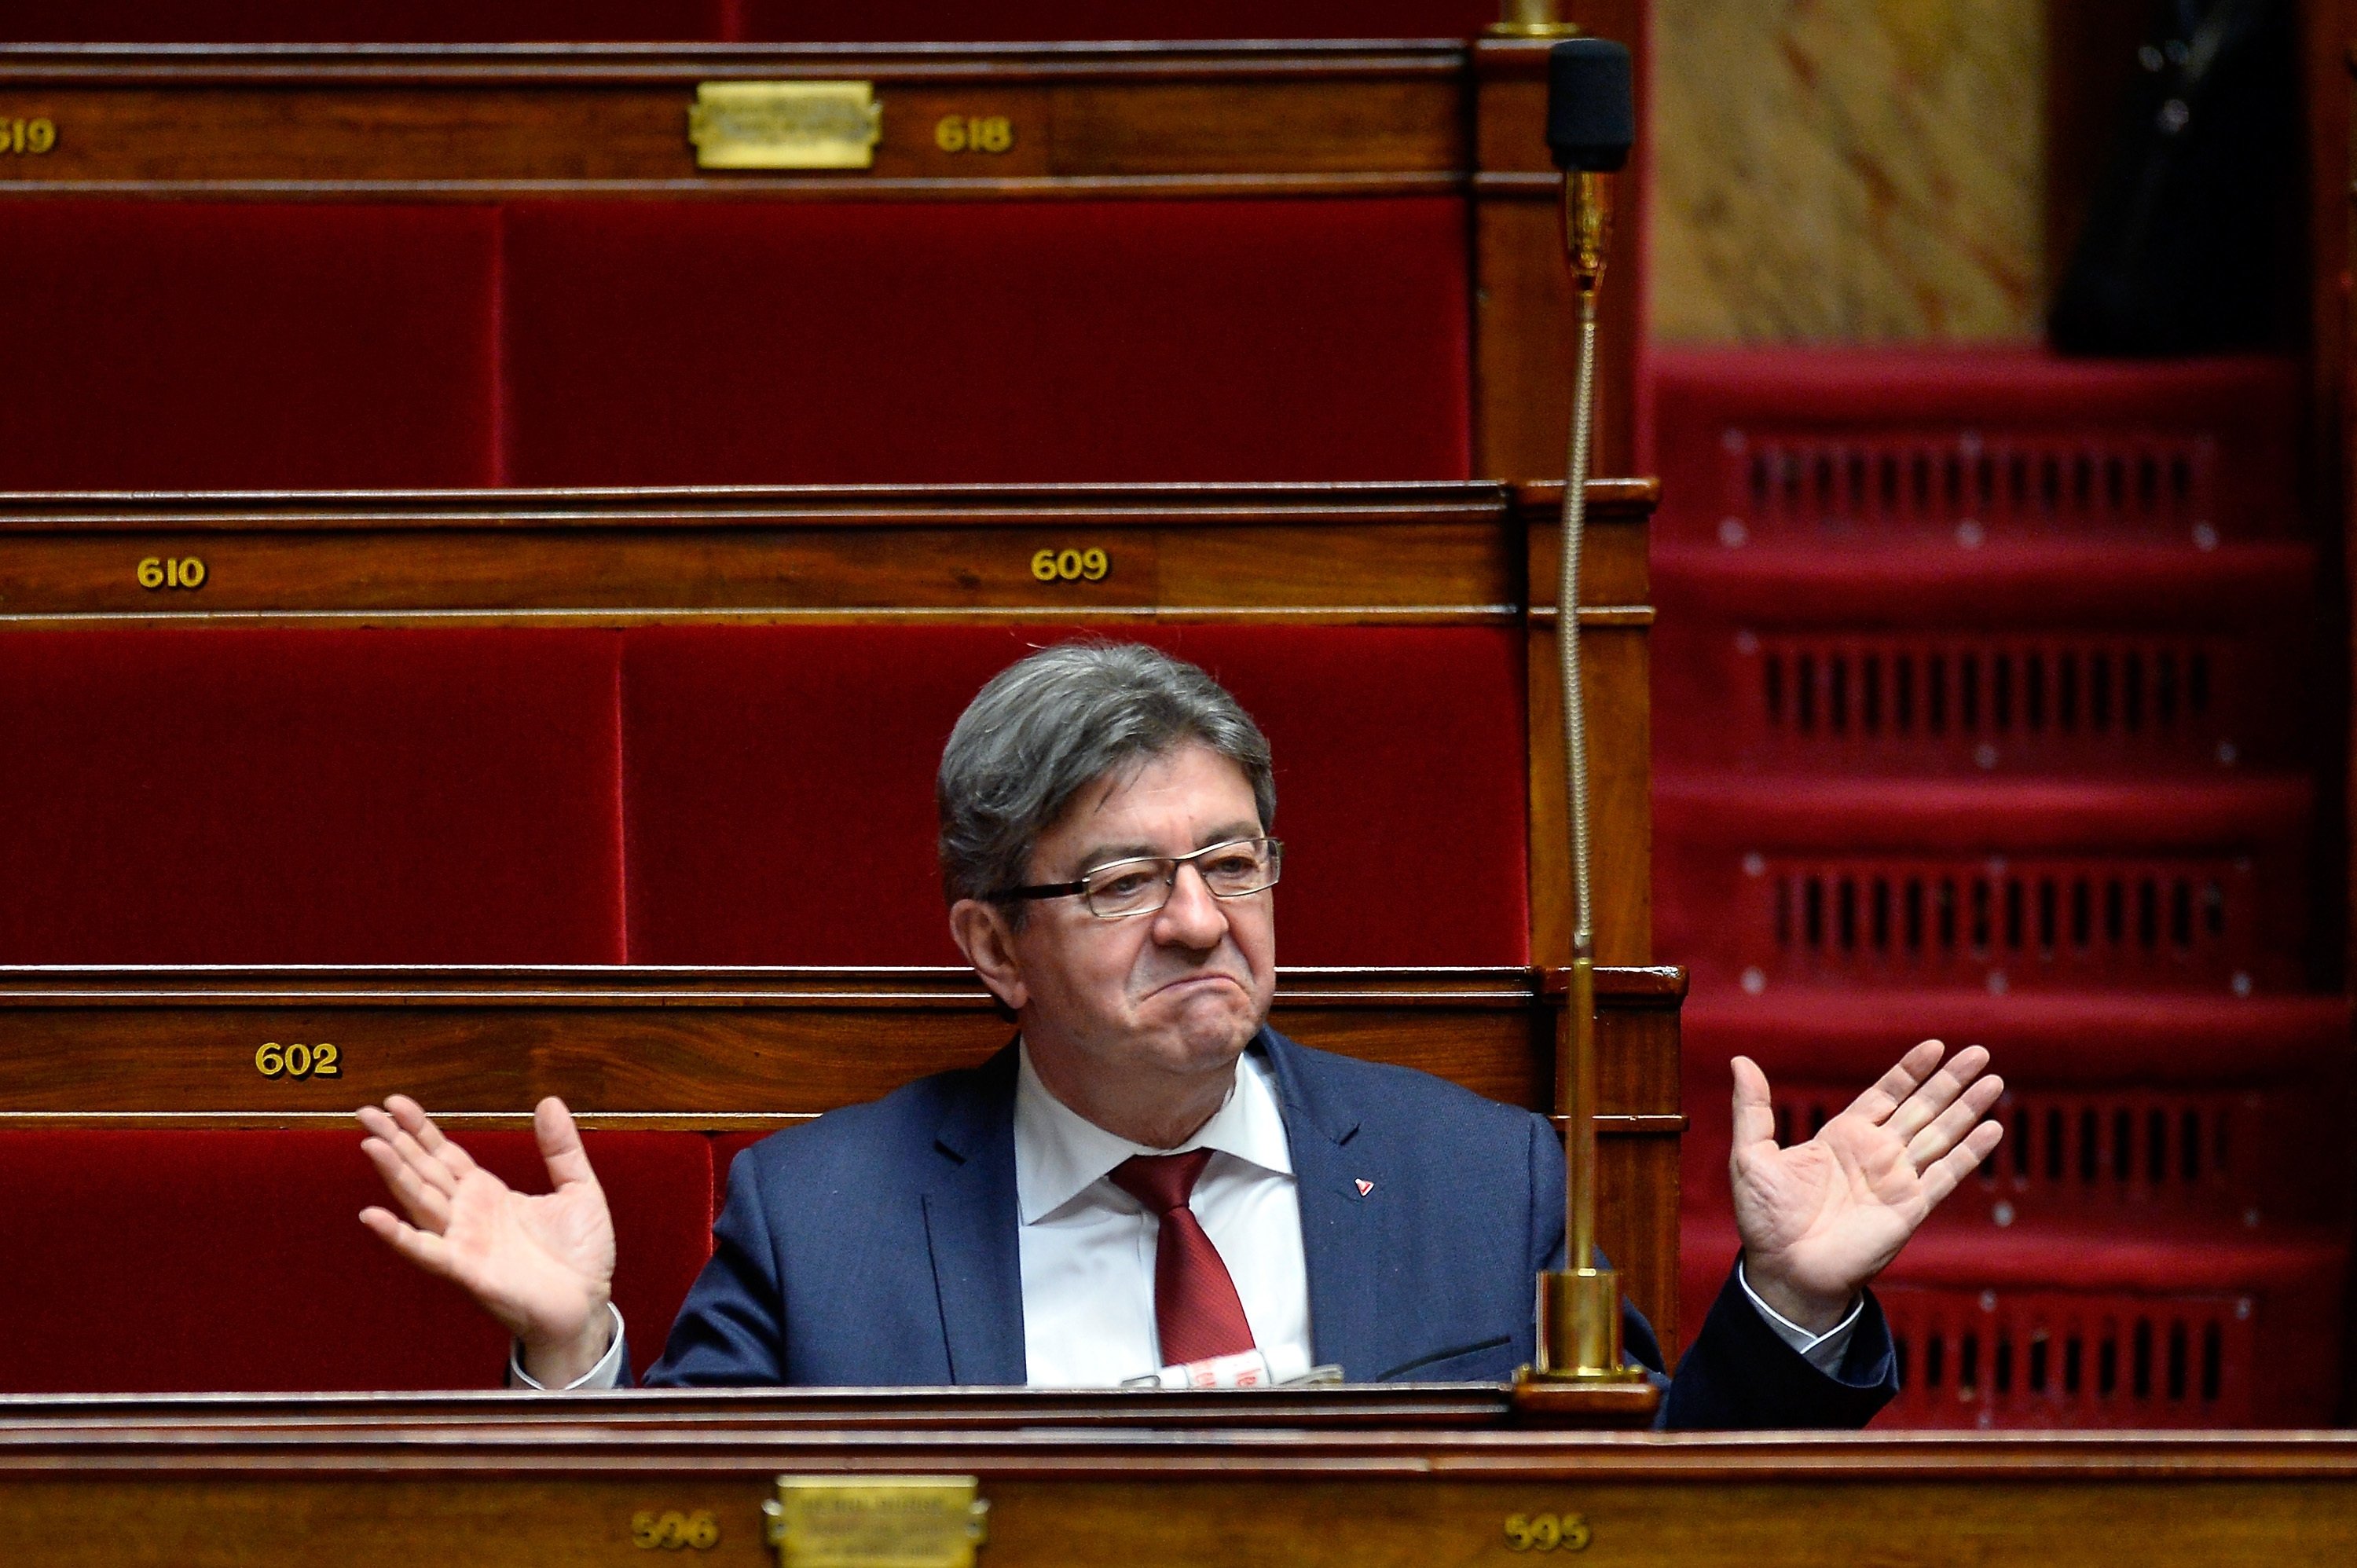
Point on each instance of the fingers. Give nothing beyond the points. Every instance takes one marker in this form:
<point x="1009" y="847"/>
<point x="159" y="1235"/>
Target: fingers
<point x="428" y="1251"/>
<point x="1951" y="1169"/>
<point x="1755" y="1117"/>
<point x="1953" y="1126"/>
<point x="1892" y="1089"/>
<point x="560" y="1144"/>
<point x="413" y="1120"/>
<point x="427" y="1206"/>
<point x="428" y="1168"/>
<point x="1938" y="1092"/>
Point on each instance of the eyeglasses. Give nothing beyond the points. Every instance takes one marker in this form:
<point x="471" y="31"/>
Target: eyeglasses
<point x="1121" y="888"/>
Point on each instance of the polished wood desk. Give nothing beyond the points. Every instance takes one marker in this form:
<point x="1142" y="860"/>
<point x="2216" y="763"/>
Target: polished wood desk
<point x="1370" y="1478"/>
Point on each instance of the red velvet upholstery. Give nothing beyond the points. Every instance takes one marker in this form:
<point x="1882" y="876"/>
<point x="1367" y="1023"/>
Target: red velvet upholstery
<point x="235" y="1260"/>
<point x="725" y="1148"/>
<point x="837" y="342"/>
<point x="335" y="797"/>
<point x="781" y="787"/>
<point x="190" y="346"/>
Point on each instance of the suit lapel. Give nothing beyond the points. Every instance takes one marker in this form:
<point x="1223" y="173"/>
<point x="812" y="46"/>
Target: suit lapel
<point x="1341" y="1226"/>
<point x="972" y="1228"/>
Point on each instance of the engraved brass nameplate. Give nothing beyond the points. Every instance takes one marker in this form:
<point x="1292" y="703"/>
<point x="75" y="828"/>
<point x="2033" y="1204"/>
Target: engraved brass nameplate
<point x="785" y="124"/>
<point x="875" y="1521"/>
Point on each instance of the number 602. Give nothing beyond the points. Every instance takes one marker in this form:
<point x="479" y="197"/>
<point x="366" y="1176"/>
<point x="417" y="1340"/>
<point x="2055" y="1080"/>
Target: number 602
<point x="275" y="1060"/>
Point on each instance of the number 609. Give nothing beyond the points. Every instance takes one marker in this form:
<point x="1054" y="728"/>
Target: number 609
<point x="1070" y="566"/>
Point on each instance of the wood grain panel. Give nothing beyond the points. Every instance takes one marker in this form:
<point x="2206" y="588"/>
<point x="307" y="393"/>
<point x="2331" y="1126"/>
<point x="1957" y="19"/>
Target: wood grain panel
<point x="1294" y="1479"/>
<point x="730" y="1043"/>
<point x="1439" y="551"/>
<point x="1617" y="617"/>
<point x="230" y="120"/>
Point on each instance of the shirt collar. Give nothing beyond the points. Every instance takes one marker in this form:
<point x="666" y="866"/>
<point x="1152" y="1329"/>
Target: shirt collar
<point x="1060" y="1153"/>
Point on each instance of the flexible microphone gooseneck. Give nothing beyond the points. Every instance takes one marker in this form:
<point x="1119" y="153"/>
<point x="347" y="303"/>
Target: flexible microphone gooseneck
<point x="1591" y="124"/>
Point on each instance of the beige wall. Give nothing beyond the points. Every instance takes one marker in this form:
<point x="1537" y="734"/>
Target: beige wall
<point x="1848" y="170"/>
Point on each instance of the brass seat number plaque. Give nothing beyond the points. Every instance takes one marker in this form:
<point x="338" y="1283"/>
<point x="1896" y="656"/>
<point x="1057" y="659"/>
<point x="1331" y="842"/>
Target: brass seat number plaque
<point x="875" y="1521"/>
<point x="785" y="124"/>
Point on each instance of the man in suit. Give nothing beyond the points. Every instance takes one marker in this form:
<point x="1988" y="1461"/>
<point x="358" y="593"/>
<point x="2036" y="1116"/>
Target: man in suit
<point x="1150" y="1184"/>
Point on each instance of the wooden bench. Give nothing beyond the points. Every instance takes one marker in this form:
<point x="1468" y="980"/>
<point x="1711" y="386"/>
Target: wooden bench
<point x="179" y="1145"/>
<point x="462" y="682"/>
<point x="382" y="266"/>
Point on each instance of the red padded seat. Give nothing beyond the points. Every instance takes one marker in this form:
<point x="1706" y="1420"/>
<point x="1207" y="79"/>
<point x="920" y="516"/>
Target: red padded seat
<point x="837" y="342"/>
<point x="781" y="787"/>
<point x="235" y="1260"/>
<point x="193" y="346"/>
<point x="220" y="795"/>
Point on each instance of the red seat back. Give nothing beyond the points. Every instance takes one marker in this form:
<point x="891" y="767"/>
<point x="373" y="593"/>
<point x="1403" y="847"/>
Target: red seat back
<point x="977" y="343"/>
<point x="781" y="787"/>
<point x="192" y="1259"/>
<point x="213" y="796"/>
<point x="187" y="346"/>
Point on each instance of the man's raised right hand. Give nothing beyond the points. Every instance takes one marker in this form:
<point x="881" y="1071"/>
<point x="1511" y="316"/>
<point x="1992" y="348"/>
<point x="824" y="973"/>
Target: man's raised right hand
<point x="542" y="1265"/>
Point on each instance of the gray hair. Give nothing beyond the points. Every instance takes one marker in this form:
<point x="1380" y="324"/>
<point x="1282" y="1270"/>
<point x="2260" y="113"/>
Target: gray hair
<point x="1048" y="725"/>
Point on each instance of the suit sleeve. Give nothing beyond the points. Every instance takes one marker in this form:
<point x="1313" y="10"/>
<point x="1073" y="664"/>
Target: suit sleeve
<point x="1740" y="1374"/>
<point x="730" y="1332"/>
<point x="1737" y="1375"/>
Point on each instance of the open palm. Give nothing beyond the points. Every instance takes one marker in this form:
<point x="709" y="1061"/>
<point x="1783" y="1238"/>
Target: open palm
<point x="541" y="1263"/>
<point x="1820" y="1219"/>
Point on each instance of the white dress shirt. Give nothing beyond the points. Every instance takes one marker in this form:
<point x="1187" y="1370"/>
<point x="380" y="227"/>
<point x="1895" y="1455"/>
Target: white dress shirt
<point x="1087" y="1247"/>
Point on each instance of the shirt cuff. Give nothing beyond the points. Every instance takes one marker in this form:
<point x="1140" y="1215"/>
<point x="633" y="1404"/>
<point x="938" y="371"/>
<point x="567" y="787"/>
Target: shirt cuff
<point x="606" y="1374"/>
<point x="1823" y="1351"/>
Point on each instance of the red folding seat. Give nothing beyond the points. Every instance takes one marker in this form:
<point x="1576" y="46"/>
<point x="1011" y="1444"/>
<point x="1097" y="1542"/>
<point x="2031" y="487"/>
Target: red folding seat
<point x="191" y="1259"/>
<point x="781" y="787"/>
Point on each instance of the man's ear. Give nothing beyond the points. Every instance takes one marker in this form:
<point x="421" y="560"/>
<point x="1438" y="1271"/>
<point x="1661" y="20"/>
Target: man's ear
<point x="982" y="933"/>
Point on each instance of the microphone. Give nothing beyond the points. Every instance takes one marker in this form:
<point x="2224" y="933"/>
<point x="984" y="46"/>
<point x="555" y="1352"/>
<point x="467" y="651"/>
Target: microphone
<point x="1590" y="125"/>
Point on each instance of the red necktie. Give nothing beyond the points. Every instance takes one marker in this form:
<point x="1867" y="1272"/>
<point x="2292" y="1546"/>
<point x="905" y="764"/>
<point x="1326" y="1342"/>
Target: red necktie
<point x="1196" y="1314"/>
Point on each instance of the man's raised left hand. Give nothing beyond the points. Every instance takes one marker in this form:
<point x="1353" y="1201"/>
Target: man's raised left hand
<point x="1821" y="1218"/>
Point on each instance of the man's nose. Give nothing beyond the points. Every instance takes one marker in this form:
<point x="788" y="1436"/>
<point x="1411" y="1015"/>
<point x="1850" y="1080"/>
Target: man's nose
<point x="1192" y="919"/>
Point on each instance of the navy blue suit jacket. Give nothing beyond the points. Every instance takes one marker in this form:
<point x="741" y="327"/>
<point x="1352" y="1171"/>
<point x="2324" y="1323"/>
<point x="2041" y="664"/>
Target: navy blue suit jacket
<point x="878" y="1245"/>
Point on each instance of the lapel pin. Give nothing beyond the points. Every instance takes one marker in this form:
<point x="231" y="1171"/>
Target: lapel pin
<point x="1364" y="1186"/>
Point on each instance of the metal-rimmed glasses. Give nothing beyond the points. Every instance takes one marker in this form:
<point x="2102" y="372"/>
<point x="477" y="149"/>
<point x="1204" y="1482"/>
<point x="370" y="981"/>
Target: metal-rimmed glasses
<point x="1143" y="884"/>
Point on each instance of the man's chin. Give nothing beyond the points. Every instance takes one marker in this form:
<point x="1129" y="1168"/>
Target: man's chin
<point x="1208" y="1022"/>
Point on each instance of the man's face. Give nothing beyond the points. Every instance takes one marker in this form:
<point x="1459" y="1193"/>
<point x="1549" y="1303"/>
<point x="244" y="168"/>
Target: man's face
<point x="1179" y="992"/>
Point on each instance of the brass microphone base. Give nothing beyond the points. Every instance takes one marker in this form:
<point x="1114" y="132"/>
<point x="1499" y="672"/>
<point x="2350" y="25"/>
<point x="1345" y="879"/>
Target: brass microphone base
<point x="1531" y="19"/>
<point x="1579" y="1330"/>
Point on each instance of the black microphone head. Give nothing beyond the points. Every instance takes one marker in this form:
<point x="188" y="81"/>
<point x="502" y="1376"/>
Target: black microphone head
<point x="1591" y="107"/>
